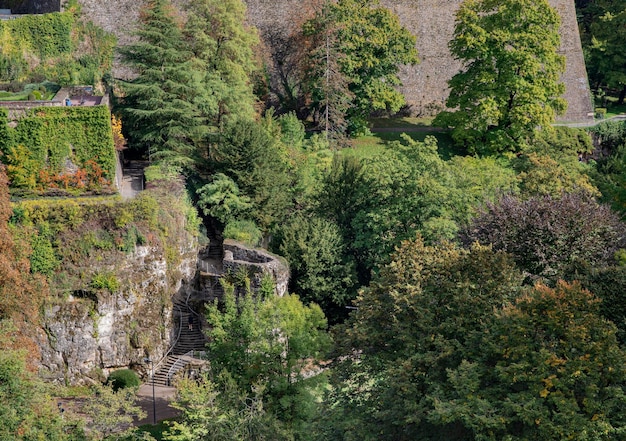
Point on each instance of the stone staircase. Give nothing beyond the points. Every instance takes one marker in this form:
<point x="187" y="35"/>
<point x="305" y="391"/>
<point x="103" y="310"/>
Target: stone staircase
<point x="188" y="340"/>
<point x="210" y="265"/>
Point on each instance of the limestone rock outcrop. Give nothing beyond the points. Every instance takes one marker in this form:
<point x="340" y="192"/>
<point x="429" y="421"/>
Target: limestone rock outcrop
<point x="89" y="334"/>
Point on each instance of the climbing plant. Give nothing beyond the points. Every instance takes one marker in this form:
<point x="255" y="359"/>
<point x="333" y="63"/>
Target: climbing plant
<point x="57" y="46"/>
<point x="65" y="147"/>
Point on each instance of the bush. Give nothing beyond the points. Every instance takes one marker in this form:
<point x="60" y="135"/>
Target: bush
<point x="106" y="281"/>
<point x="122" y="379"/>
<point x="243" y="231"/>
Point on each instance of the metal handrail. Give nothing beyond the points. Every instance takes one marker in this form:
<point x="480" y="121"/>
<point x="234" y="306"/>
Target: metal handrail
<point x="178" y="365"/>
<point x="171" y="348"/>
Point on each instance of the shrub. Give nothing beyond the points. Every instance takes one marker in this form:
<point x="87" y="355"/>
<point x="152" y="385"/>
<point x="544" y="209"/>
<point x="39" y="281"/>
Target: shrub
<point x="243" y="231"/>
<point x="122" y="379"/>
<point x="106" y="281"/>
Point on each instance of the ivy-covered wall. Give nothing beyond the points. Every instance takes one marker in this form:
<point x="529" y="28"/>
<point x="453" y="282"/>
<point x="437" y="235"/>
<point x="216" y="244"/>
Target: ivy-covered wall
<point x="59" y="147"/>
<point x="57" y="47"/>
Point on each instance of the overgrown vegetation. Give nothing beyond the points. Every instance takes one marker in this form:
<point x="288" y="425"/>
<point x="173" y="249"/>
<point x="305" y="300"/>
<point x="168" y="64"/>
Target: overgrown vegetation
<point x="464" y="291"/>
<point x="58" y="47"/>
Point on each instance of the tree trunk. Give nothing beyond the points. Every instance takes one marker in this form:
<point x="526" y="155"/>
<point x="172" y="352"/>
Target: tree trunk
<point x="622" y="95"/>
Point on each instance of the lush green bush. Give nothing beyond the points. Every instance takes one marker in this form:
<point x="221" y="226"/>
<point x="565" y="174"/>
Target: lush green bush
<point x="243" y="231"/>
<point x="107" y="281"/>
<point x="56" y="46"/>
<point x="123" y="378"/>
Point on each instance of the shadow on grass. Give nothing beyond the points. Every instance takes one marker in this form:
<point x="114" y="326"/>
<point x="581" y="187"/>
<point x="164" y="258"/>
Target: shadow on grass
<point x="369" y="146"/>
<point x="156" y="430"/>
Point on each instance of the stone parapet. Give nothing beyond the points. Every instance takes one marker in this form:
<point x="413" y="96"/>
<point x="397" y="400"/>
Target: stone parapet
<point x="256" y="262"/>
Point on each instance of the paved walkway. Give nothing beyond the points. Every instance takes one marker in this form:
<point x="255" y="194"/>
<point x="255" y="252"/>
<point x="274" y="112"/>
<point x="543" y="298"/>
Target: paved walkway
<point x="132" y="179"/>
<point x="163" y="396"/>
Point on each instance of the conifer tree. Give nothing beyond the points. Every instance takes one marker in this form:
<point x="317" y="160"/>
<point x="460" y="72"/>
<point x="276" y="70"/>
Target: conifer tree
<point x="223" y="50"/>
<point x="159" y="102"/>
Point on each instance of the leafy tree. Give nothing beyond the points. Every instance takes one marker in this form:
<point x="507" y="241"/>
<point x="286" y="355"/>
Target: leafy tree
<point x="427" y="312"/>
<point x="551" y="165"/>
<point x="26" y="411"/>
<point x="112" y="412"/>
<point x="509" y="84"/>
<point x="609" y="285"/>
<point x="551" y="370"/>
<point x="271" y="345"/>
<point x="404" y="190"/>
<point x="476" y="181"/>
<point x="21" y="293"/>
<point x="327" y="86"/>
<point x="159" y="101"/>
<point x="611" y="179"/>
<point x="547" y="235"/>
<point x="320" y="270"/>
<point x="218" y="410"/>
<point x="602" y="33"/>
<point x="446" y="344"/>
<point x="368" y="44"/>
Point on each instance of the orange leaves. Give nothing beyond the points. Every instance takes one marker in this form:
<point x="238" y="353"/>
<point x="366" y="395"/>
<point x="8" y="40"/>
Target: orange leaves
<point x="118" y="137"/>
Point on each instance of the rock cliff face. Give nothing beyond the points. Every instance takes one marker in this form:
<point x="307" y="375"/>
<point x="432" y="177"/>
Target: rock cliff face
<point x="90" y="335"/>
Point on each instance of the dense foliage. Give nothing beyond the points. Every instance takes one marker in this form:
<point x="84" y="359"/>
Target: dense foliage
<point x="359" y="44"/>
<point x="441" y="350"/>
<point x="264" y="357"/>
<point x="63" y="147"/>
<point x="602" y="27"/>
<point x="58" y="46"/>
<point x="547" y="235"/>
<point x="480" y="340"/>
<point x="509" y="84"/>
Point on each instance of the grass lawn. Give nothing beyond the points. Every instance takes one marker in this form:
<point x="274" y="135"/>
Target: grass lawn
<point x="613" y="109"/>
<point x="369" y="146"/>
<point x="407" y="122"/>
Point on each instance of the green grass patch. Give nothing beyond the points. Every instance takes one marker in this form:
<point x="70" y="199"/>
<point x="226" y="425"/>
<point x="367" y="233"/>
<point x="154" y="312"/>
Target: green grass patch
<point x="404" y="122"/>
<point x="613" y="109"/>
<point x="369" y="146"/>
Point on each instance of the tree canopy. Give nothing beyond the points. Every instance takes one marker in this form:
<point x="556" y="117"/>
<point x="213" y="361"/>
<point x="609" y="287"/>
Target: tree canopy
<point x="509" y="83"/>
<point x="446" y="344"/>
<point x="361" y="45"/>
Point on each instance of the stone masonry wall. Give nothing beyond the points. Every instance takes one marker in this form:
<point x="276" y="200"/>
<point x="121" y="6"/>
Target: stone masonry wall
<point x="432" y="21"/>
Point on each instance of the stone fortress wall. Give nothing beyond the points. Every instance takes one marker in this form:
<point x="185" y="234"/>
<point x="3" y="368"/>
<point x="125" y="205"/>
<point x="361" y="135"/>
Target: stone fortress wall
<point x="432" y="21"/>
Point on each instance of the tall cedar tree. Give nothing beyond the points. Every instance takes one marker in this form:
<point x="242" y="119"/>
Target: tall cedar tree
<point x="509" y="83"/>
<point x="159" y="102"/>
<point x="252" y="158"/>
